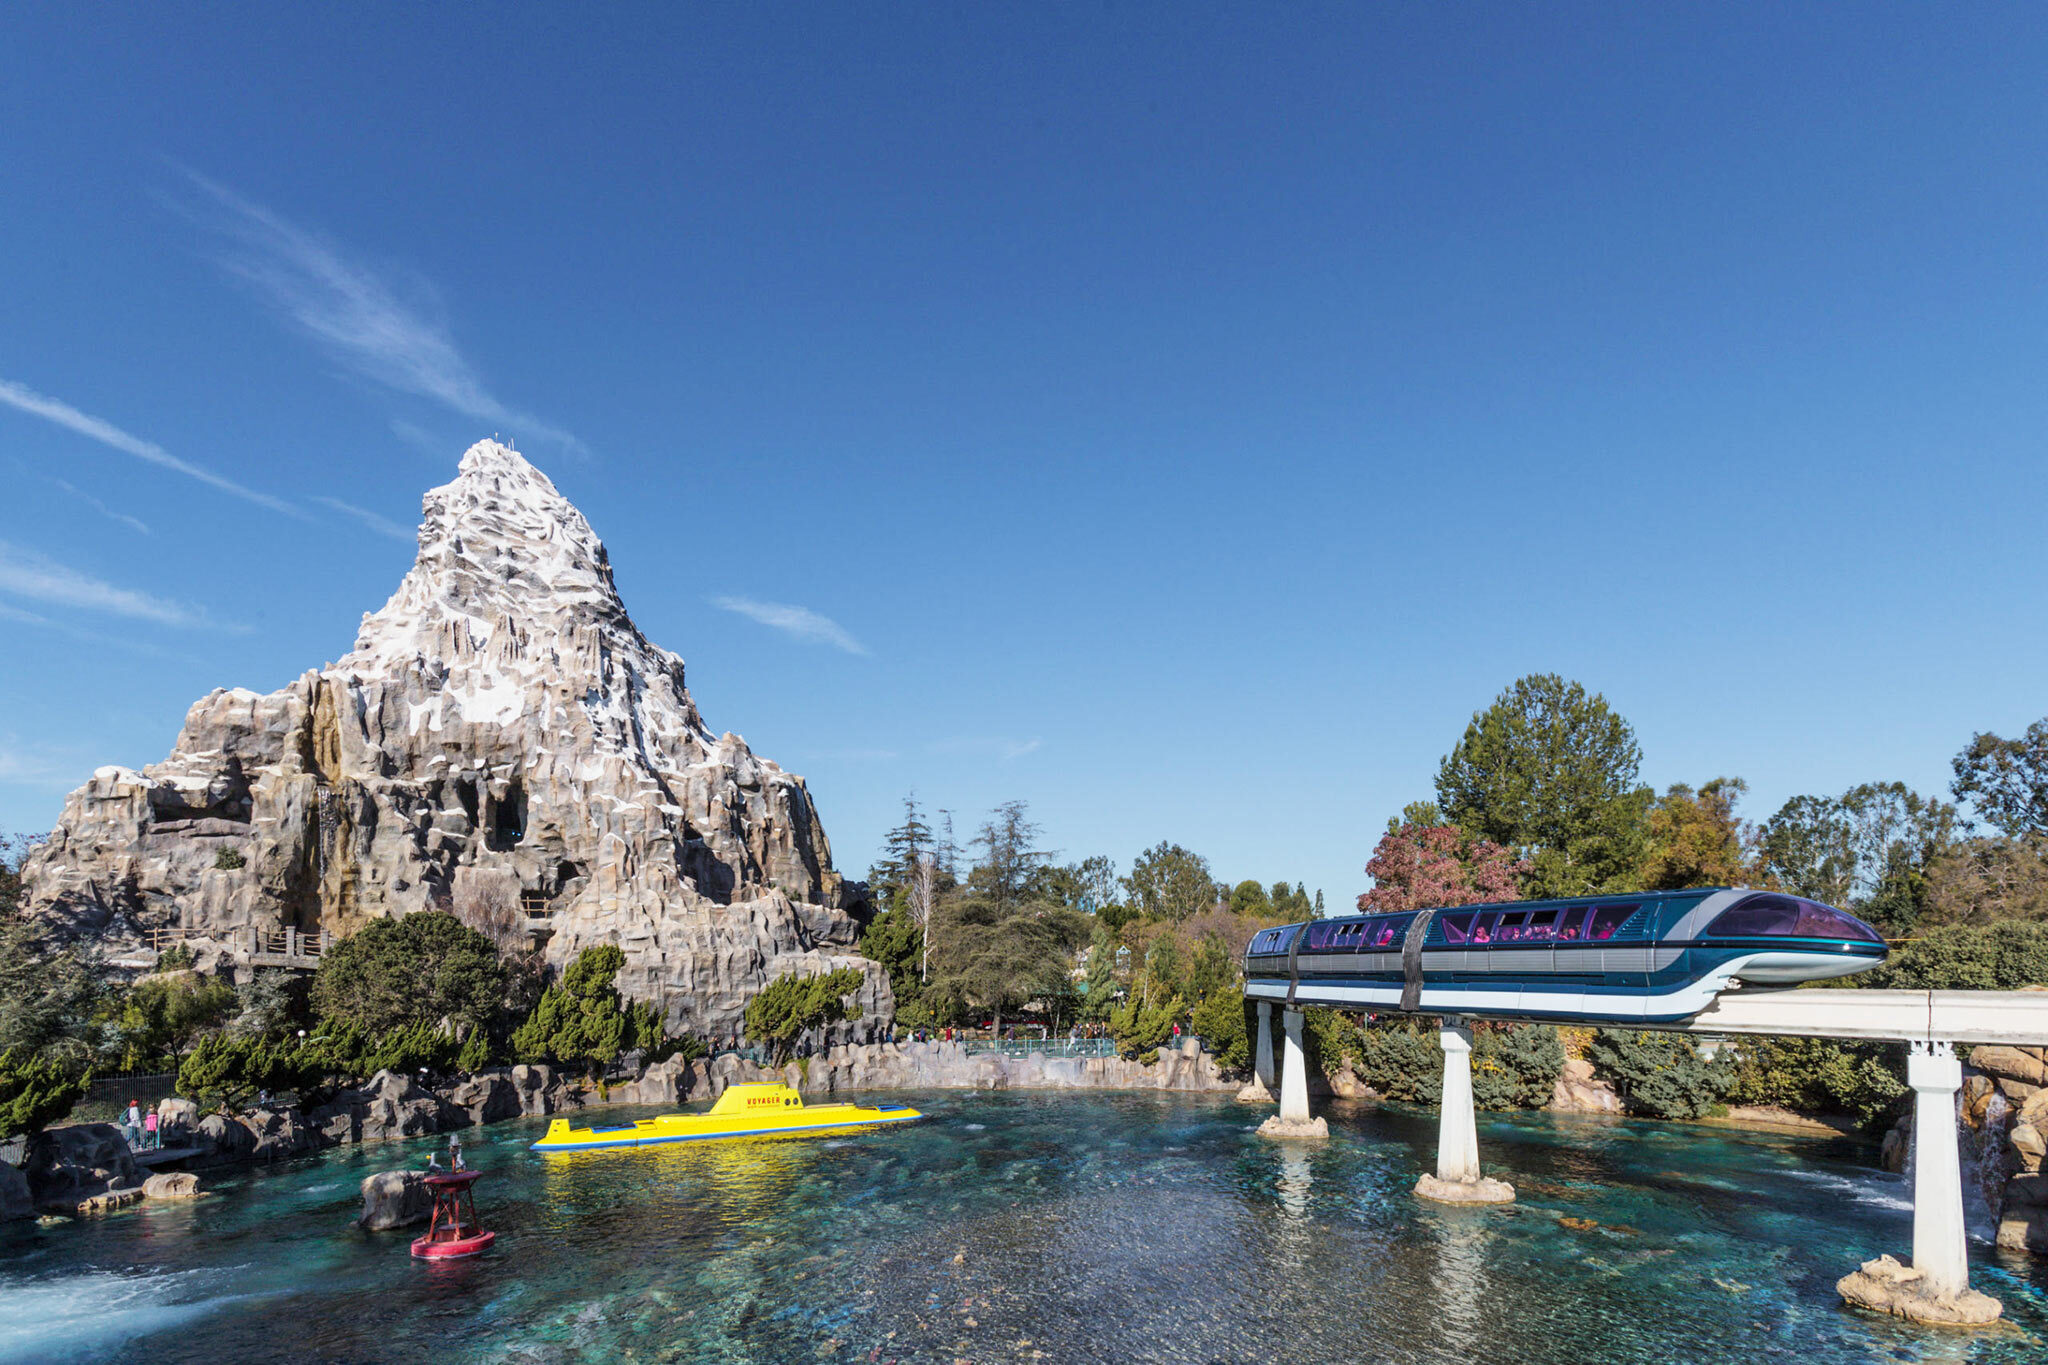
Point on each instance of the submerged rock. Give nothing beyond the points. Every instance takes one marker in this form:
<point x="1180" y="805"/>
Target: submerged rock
<point x="502" y="741"/>
<point x="1484" y="1190"/>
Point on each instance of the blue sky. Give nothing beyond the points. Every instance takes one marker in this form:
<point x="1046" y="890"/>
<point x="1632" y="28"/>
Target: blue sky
<point x="1184" y="417"/>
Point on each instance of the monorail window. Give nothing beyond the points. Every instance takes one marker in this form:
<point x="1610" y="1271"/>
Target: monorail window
<point x="1571" y="923"/>
<point x="1769" y="915"/>
<point x="1606" y="921"/>
<point x="1388" y="933"/>
<point x="1457" y="928"/>
<point x="1319" y="936"/>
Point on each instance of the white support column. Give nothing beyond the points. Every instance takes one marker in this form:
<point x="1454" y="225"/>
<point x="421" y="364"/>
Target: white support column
<point x="1294" y="1074"/>
<point x="1457" y="1179"/>
<point x="1457" y="1138"/>
<point x="1262" y="1060"/>
<point x="1939" y="1249"/>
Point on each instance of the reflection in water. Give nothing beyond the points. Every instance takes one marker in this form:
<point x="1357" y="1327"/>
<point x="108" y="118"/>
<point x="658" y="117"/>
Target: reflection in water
<point x="1083" y="1226"/>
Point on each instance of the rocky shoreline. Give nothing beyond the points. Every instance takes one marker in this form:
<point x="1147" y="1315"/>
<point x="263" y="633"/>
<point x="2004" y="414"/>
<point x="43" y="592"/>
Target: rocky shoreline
<point x="88" y="1168"/>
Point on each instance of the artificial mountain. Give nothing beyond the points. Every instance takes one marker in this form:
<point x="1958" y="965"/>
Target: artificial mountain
<point x="502" y="742"/>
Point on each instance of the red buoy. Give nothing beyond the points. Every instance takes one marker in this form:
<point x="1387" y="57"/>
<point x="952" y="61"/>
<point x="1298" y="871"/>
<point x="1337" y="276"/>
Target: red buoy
<point x="452" y="1236"/>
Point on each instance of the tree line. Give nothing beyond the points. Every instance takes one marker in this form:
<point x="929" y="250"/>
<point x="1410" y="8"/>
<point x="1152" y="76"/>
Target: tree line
<point x="1541" y="796"/>
<point x="1002" y="931"/>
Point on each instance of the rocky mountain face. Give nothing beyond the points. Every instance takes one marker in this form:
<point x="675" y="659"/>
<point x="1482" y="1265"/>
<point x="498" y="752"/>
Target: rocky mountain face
<point x="502" y="742"/>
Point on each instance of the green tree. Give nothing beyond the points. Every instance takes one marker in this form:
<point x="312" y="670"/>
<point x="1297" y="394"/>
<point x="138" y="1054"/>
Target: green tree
<point x="50" y="992"/>
<point x="1169" y="882"/>
<point x="996" y="944"/>
<point x="165" y="1013"/>
<point x="1696" y="839"/>
<point x="1661" y="1074"/>
<point x="2006" y="780"/>
<point x="1550" y="771"/>
<point x="1291" y="903"/>
<point x="791" y="1006"/>
<point x="423" y="967"/>
<point x="890" y="877"/>
<point x="1106" y="979"/>
<point x="1249" y="898"/>
<point x="36" y="1091"/>
<point x="894" y="939"/>
<point x="1868" y="850"/>
<point x="584" y="1021"/>
<point x="1983" y="881"/>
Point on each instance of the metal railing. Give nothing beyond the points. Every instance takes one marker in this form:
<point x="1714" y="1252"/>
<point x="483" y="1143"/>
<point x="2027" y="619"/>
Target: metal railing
<point x="298" y="945"/>
<point x="1024" y="1047"/>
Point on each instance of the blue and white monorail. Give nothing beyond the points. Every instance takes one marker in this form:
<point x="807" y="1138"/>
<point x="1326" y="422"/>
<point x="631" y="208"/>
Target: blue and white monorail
<point x="1653" y="957"/>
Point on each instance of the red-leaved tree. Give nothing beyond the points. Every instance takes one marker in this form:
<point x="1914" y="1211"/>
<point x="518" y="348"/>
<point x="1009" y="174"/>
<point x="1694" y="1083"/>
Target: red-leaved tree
<point x="1417" y="866"/>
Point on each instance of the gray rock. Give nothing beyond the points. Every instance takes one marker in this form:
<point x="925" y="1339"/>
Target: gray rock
<point x="171" y="1185"/>
<point x="487" y="1097"/>
<point x="15" y="1200"/>
<point x="394" y="1199"/>
<point x="76" y="1162"/>
<point x="225" y="1138"/>
<point x="500" y="734"/>
<point x="177" y="1120"/>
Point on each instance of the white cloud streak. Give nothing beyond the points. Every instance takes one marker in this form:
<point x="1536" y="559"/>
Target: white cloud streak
<point x="106" y="433"/>
<point x="135" y="523"/>
<point x="383" y="526"/>
<point x="798" y="623"/>
<point x="28" y="575"/>
<point x="355" y="312"/>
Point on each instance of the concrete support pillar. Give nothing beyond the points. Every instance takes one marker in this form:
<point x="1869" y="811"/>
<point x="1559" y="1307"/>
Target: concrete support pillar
<point x="1262" y="1060"/>
<point x="1457" y="1179"/>
<point x="1457" y="1134"/>
<point x="1939" y="1248"/>
<point x="1936" y="1288"/>
<point x="1294" y="1075"/>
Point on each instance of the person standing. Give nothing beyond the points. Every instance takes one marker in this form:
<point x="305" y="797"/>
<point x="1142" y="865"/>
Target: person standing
<point x="152" y="1138"/>
<point x="131" y="1123"/>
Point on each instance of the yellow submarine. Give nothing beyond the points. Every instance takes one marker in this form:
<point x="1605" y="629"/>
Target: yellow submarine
<point x="752" y="1110"/>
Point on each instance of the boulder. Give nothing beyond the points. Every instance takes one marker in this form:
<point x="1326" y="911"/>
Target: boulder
<point x="226" y="1139"/>
<point x="1578" y="1091"/>
<point x="487" y="1097"/>
<point x="80" y="1160"/>
<point x="1277" y="1127"/>
<point x="2024" y="1227"/>
<point x="171" y="1185"/>
<point x="278" y="1133"/>
<point x="500" y="730"/>
<point x="389" y="1105"/>
<point x="1886" y="1286"/>
<point x="177" y="1120"/>
<point x="394" y="1199"/>
<point x="2028" y="1065"/>
<point x="2028" y="1146"/>
<point x="1345" y="1085"/>
<point x="15" y="1201"/>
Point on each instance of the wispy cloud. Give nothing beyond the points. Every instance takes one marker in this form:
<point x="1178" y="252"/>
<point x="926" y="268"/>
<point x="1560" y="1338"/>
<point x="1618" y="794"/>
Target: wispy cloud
<point x="35" y="578"/>
<point x="96" y="505"/>
<point x="106" y="433"/>
<point x="383" y="526"/>
<point x="995" y="746"/>
<point x="356" y="312"/>
<point x="800" y="623"/>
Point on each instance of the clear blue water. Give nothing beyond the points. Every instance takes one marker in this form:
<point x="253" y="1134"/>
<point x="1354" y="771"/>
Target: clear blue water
<point x="1028" y="1227"/>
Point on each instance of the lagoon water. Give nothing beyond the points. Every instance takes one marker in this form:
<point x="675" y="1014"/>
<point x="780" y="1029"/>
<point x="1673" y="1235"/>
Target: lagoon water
<point x="1028" y="1227"/>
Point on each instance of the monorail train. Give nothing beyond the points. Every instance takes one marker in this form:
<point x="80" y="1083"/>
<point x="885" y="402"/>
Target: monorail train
<point x="1654" y="957"/>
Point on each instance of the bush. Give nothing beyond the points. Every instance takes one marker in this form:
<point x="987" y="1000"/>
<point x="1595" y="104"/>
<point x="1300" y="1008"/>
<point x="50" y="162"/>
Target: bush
<point x="166" y="1011"/>
<point x="1820" y="1075"/>
<point x="1967" y="957"/>
<point x="1223" y="1022"/>
<point x="1139" y="1032"/>
<point x="417" y="968"/>
<point x="228" y="860"/>
<point x="1661" y="1074"/>
<point x="791" y="1006"/>
<point x="36" y="1091"/>
<point x="1515" y="1066"/>
<point x="1401" y="1059"/>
